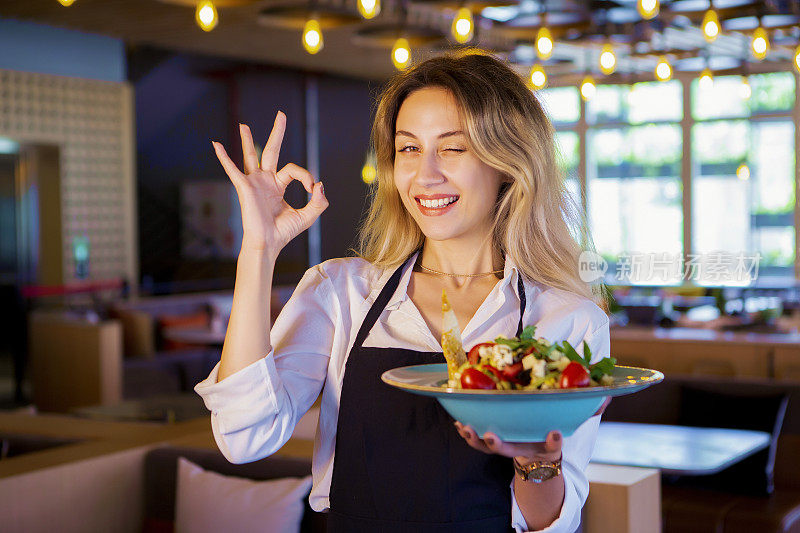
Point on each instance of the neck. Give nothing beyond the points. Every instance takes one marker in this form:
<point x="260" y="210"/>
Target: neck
<point x="462" y="256"/>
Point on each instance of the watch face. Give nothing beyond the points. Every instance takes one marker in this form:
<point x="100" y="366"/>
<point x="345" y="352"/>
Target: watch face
<point x="543" y="473"/>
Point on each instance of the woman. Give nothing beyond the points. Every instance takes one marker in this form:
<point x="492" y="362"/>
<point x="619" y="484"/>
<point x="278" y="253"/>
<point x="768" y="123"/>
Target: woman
<point x="467" y="198"/>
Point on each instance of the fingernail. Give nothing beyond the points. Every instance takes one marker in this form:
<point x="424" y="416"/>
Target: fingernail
<point x="321" y="188"/>
<point x="557" y="437"/>
<point x="489" y="440"/>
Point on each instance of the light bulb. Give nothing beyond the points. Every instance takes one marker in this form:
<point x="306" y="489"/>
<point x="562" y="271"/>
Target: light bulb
<point x="588" y="88"/>
<point x="663" y="69"/>
<point x="401" y="53"/>
<point x="647" y="8"/>
<point x="706" y="79"/>
<point x="538" y="77"/>
<point x="66" y="3"/>
<point x="206" y="15"/>
<point x="744" y="89"/>
<point x="797" y="58"/>
<point x="711" y="25"/>
<point x="544" y="43"/>
<point x="463" y="27"/>
<point x="368" y="173"/>
<point x="608" y="60"/>
<point x="312" y="36"/>
<point x="760" y="43"/>
<point x="369" y="8"/>
<point x="743" y="172"/>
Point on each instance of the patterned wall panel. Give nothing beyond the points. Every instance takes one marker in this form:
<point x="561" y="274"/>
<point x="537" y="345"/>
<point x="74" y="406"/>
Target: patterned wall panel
<point x="92" y="124"/>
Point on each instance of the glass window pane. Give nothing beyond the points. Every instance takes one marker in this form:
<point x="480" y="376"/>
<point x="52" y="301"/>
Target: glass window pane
<point x="561" y="104"/>
<point x="772" y="92"/>
<point x="655" y="101"/>
<point x="724" y="98"/>
<point x="635" y="196"/>
<point x="609" y="104"/>
<point x="743" y="193"/>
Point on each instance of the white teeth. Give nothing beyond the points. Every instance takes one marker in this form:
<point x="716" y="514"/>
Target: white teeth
<point x="438" y="203"/>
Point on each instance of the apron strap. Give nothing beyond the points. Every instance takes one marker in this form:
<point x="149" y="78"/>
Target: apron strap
<point x="388" y="290"/>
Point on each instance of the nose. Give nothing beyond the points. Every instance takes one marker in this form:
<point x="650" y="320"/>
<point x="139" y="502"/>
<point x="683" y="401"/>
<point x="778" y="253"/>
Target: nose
<point x="428" y="172"/>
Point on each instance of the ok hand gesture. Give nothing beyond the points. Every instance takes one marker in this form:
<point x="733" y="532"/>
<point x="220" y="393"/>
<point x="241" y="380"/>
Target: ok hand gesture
<point x="268" y="221"/>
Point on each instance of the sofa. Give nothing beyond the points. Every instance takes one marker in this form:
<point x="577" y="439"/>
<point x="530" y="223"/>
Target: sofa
<point x="699" y="505"/>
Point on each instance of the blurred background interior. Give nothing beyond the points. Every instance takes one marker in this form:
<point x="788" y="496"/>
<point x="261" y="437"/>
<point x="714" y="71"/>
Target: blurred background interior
<point x="676" y="124"/>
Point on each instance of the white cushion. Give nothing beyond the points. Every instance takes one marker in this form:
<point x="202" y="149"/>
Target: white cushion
<point x="212" y="502"/>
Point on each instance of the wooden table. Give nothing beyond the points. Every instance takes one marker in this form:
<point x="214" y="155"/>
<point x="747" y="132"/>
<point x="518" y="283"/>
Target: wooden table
<point x="678" y="450"/>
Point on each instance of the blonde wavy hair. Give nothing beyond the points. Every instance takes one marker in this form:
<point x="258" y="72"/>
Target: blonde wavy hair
<point x="535" y="221"/>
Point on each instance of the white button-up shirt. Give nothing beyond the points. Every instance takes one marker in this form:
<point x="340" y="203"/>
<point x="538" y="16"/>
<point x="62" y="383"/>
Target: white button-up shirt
<point x="254" y="411"/>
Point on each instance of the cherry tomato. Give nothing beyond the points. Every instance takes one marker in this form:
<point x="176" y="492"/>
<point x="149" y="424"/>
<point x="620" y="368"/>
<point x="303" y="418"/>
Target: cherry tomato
<point x="574" y="375"/>
<point x="497" y="373"/>
<point x="511" y="372"/>
<point x="474" y="356"/>
<point x="472" y="378"/>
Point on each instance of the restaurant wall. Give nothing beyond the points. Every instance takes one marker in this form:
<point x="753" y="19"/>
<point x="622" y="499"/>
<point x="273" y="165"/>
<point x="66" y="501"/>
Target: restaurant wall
<point x="65" y="89"/>
<point x="184" y="102"/>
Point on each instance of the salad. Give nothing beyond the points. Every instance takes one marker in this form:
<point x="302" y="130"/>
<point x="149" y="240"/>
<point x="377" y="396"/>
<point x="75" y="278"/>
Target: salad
<point x="524" y="363"/>
<point x="528" y="363"/>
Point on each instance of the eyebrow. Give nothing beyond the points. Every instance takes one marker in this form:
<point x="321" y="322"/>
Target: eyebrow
<point x="443" y="135"/>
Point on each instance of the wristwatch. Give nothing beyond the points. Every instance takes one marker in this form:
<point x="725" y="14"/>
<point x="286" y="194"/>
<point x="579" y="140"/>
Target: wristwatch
<point x="538" y="471"/>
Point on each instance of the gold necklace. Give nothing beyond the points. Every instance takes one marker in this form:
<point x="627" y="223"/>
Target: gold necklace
<point x="423" y="267"/>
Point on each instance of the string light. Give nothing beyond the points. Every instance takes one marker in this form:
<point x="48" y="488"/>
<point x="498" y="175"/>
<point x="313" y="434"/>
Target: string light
<point x="401" y="53"/>
<point x="206" y="15"/>
<point x="760" y="43"/>
<point x="711" y="25"/>
<point x="743" y="172"/>
<point x="369" y="8"/>
<point x="608" y="60"/>
<point x="544" y="43"/>
<point x="538" y="77"/>
<point x="463" y="28"/>
<point x="744" y="89"/>
<point x="797" y="58"/>
<point x="66" y="3"/>
<point x="368" y="173"/>
<point x="588" y="88"/>
<point x="663" y="70"/>
<point x="312" y="36"/>
<point x="647" y="8"/>
<point x="706" y="79"/>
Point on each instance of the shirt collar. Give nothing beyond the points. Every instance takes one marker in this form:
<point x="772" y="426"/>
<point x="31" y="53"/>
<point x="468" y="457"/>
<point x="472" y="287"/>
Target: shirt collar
<point x="510" y="274"/>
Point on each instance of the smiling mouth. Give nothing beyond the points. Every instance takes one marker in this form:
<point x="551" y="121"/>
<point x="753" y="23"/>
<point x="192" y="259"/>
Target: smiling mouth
<point x="438" y="203"/>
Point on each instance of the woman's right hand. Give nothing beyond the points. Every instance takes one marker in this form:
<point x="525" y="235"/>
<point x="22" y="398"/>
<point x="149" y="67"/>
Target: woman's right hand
<point x="268" y="221"/>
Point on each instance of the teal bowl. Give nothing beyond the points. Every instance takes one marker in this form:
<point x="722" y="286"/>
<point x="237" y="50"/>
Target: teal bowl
<point x="518" y="415"/>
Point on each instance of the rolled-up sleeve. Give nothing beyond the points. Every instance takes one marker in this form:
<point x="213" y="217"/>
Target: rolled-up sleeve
<point x="254" y="410"/>
<point x="576" y="452"/>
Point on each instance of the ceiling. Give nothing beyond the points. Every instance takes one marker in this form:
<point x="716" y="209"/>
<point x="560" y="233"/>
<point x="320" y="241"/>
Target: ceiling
<point x="579" y="27"/>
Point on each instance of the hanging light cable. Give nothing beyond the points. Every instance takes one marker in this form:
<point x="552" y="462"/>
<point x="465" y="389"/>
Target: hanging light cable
<point x="206" y="15"/>
<point x="463" y="27"/>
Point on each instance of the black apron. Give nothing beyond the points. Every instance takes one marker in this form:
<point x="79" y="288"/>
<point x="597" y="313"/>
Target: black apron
<point x="400" y="464"/>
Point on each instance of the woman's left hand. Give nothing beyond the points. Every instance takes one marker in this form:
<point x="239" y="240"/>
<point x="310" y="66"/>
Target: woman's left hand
<point x="549" y="450"/>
